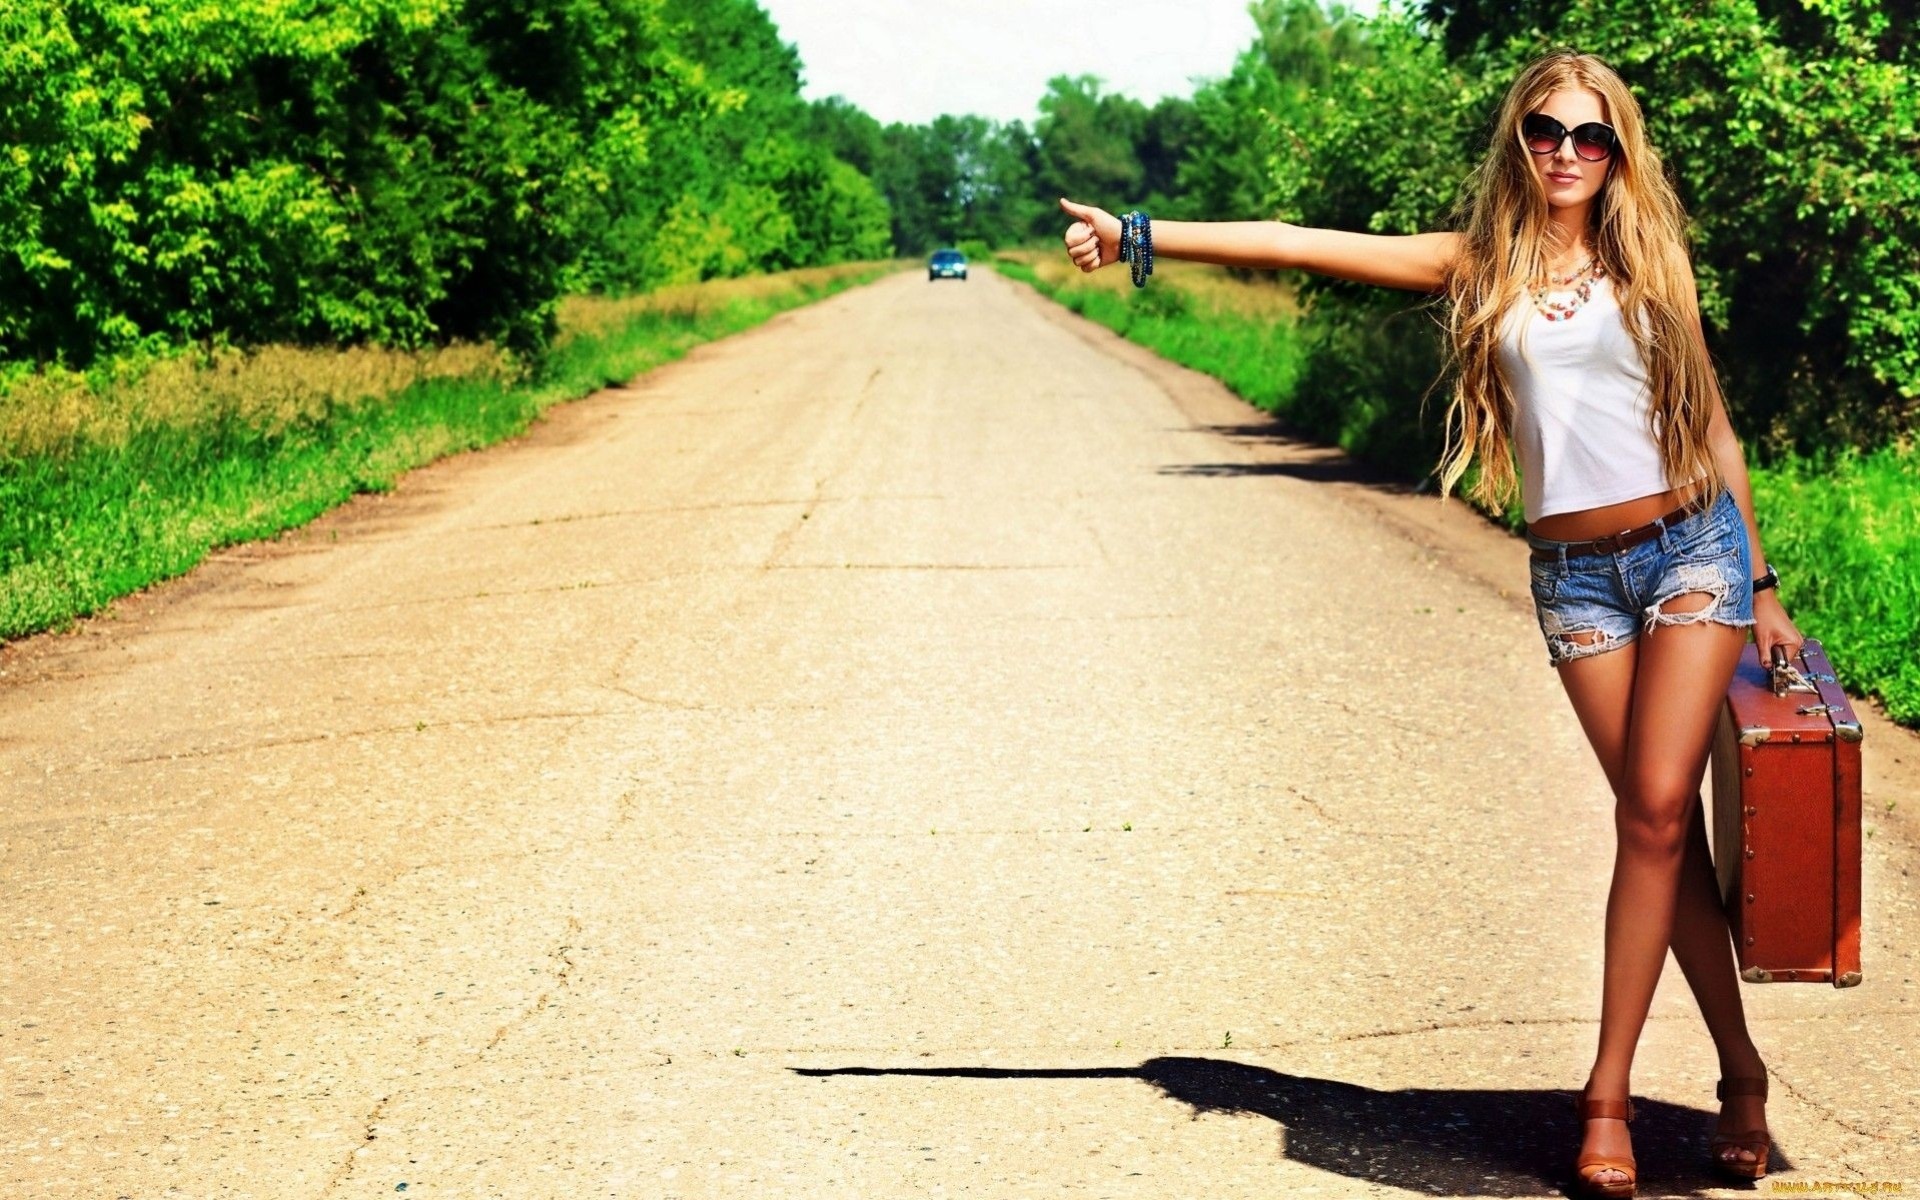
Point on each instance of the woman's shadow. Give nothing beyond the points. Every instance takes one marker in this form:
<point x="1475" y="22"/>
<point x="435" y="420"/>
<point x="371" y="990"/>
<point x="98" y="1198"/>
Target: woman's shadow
<point x="1478" y="1142"/>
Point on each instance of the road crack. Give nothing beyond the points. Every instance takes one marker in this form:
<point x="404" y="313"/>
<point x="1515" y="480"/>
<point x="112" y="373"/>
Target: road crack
<point x="1826" y="1111"/>
<point x="560" y="966"/>
<point x="784" y="538"/>
<point x="344" y="1172"/>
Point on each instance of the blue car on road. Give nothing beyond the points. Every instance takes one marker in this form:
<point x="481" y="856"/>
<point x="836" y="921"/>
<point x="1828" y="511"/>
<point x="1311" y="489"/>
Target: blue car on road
<point x="947" y="264"/>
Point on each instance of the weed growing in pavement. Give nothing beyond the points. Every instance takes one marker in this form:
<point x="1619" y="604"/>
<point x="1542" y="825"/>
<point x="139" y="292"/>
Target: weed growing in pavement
<point x="133" y="473"/>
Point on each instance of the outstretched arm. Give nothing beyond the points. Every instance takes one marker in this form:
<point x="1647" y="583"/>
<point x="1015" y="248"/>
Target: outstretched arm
<point x="1418" y="262"/>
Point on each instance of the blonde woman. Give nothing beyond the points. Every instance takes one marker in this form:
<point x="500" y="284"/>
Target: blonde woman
<point x="1575" y="327"/>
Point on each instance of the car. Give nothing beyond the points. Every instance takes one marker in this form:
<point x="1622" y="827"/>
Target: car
<point x="947" y="264"/>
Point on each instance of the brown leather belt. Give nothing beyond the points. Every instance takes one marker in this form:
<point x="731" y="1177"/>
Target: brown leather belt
<point x="1613" y="543"/>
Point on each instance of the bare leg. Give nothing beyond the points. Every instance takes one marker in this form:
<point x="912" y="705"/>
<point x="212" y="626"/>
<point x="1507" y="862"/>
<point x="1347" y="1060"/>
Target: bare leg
<point x="1601" y="690"/>
<point x="1648" y="709"/>
<point x="1702" y="948"/>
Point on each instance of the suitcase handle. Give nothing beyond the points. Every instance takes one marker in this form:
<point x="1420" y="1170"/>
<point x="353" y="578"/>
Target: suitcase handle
<point x="1786" y="676"/>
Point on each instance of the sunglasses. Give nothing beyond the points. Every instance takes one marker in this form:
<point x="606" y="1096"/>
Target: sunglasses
<point x="1592" y="141"/>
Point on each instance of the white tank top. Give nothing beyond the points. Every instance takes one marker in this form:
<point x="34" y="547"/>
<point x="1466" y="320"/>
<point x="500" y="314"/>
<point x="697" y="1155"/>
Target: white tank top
<point x="1580" y="428"/>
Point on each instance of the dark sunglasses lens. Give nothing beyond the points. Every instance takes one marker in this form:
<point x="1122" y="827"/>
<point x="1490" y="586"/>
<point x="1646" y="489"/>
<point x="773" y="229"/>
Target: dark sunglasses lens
<point x="1593" y="141"/>
<point x="1543" y="134"/>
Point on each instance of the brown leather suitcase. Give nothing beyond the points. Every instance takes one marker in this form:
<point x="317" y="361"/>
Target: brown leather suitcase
<point x="1786" y="820"/>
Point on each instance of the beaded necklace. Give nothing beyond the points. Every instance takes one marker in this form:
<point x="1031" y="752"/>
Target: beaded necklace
<point x="1579" y="281"/>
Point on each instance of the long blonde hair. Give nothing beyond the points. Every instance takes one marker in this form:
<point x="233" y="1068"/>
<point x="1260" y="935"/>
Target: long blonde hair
<point x="1638" y="236"/>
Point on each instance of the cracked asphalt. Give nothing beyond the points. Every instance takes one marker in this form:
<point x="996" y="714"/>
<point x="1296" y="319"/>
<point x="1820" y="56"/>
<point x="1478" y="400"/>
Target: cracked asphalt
<point x="922" y="746"/>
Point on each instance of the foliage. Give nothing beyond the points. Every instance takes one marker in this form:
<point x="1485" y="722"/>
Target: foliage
<point x="1243" y="120"/>
<point x="967" y="179"/>
<point x="1844" y="530"/>
<point x="755" y="183"/>
<point x="396" y="172"/>
<point x="1089" y="140"/>
<point x="1798" y="154"/>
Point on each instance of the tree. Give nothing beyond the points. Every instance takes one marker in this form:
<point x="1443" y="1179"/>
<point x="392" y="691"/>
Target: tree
<point x="1086" y="140"/>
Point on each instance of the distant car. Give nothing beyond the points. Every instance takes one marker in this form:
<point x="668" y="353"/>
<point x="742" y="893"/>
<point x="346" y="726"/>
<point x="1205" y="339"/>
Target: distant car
<point x="947" y="264"/>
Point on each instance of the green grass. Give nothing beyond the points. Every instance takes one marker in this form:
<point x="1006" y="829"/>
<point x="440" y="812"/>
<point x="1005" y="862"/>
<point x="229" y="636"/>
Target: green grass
<point x="1845" y="535"/>
<point x="95" y="520"/>
<point x="1844" y="531"/>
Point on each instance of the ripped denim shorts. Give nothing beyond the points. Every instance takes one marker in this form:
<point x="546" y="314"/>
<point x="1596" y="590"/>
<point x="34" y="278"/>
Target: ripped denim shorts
<point x="1592" y="603"/>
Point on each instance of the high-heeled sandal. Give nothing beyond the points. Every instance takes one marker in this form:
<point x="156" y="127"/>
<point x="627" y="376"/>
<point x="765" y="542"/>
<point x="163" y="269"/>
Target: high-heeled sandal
<point x="1754" y="1141"/>
<point x="1587" y="1166"/>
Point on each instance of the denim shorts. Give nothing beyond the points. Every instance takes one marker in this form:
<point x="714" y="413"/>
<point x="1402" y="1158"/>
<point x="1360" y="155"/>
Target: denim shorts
<point x="1608" y="599"/>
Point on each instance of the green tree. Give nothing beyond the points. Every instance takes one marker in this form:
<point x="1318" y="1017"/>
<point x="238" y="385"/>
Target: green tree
<point x="1244" y="122"/>
<point x="1087" y="140"/>
<point x="395" y="171"/>
<point x="752" y="185"/>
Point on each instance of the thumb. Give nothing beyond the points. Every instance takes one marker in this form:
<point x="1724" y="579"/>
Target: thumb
<point x="1083" y="211"/>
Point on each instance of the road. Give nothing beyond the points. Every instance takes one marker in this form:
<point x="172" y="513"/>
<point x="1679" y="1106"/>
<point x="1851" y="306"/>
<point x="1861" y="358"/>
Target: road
<point x="921" y="746"/>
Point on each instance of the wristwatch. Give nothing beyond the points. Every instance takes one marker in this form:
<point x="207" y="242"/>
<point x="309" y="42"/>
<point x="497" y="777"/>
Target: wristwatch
<point x="1770" y="579"/>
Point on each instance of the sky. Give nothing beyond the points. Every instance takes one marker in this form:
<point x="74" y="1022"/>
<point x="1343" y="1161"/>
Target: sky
<point x="911" y="60"/>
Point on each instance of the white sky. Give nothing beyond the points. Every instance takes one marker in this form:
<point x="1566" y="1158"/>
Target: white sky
<point x="911" y="60"/>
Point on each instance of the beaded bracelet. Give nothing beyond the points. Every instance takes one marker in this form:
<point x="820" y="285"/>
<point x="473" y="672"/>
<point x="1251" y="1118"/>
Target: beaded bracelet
<point x="1146" y="238"/>
<point x="1136" y="245"/>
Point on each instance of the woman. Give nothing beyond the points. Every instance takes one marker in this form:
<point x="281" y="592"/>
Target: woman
<point x="1575" y="326"/>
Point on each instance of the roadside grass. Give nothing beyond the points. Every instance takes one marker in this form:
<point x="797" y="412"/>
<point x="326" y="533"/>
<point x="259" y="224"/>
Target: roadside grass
<point x="121" y="477"/>
<point x="1241" y="332"/>
<point x="1845" y="535"/>
<point x="1844" y="530"/>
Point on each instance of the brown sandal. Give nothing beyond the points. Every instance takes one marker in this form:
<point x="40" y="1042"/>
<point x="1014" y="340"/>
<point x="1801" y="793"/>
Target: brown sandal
<point x="1753" y="1141"/>
<point x="1588" y="1165"/>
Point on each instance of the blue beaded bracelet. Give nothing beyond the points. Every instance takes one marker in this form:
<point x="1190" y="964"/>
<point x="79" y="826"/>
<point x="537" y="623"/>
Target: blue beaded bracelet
<point x="1136" y="245"/>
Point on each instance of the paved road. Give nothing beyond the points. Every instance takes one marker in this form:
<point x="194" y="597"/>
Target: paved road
<point x="915" y="748"/>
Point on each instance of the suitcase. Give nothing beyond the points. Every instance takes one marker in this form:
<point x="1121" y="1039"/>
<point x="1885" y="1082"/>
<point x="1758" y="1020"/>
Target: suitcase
<point x="1786" y="820"/>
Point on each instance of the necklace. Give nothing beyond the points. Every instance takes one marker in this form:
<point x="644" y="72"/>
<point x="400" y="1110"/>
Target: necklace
<point x="1579" y="281"/>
